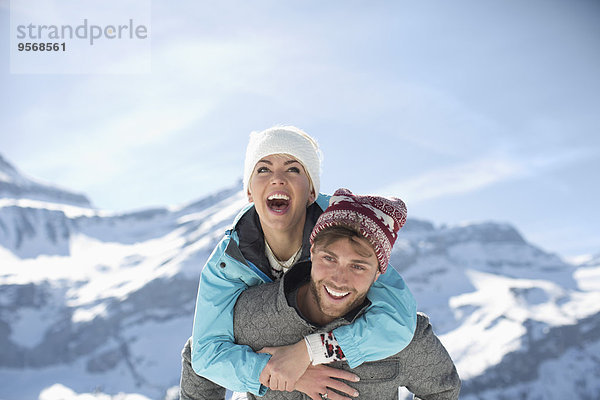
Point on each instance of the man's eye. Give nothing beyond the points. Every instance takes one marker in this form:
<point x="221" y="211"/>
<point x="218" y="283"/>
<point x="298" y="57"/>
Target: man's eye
<point x="358" y="267"/>
<point x="328" y="258"/>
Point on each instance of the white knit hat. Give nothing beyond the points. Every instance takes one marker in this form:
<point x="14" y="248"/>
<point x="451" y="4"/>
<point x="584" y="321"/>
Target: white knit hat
<point x="284" y="140"/>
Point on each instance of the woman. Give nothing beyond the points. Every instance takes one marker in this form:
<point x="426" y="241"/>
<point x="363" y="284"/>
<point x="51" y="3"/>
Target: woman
<point x="281" y="179"/>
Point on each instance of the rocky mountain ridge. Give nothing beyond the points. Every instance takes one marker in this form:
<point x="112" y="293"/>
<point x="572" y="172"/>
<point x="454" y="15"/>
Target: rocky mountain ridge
<point x="102" y="303"/>
<point x="15" y="185"/>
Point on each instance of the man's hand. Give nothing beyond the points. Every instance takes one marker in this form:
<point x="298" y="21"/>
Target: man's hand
<point x="319" y="380"/>
<point x="285" y="367"/>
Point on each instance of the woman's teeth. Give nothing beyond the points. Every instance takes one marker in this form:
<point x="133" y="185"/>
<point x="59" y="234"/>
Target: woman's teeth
<point x="278" y="196"/>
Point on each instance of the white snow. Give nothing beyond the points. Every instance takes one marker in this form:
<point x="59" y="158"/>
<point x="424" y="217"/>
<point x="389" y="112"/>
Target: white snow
<point x="560" y="378"/>
<point x="404" y="393"/>
<point x="84" y="313"/>
<point x="588" y="278"/>
<point x="498" y="309"/>
<point x="61" y="392"/>
<point x="478" y="293"/>
<point x="69" y="210"/>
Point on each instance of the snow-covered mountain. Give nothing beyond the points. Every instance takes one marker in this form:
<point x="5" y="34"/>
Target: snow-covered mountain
<point x="15" y="185"/>
<point x="94" y="302"/>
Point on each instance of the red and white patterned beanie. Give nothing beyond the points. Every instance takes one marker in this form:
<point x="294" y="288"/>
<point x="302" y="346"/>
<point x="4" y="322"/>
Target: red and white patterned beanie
<point x="377" y="218"/>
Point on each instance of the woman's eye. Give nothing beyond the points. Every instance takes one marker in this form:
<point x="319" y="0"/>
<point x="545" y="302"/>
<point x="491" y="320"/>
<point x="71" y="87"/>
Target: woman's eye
<point x="294" y="169"/>
<point x="262" y="169"/>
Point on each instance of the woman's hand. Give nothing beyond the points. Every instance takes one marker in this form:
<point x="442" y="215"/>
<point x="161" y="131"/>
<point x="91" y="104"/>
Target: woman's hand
<point x="285" y="367"/>
<point x="319" y="380"/>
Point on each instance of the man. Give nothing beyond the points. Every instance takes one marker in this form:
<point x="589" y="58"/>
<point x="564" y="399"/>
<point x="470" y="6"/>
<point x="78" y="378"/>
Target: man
<point x="351" y="245"/>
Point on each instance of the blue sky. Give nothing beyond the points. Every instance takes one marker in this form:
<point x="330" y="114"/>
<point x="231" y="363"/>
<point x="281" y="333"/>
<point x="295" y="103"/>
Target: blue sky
<point x="468" y="110"/>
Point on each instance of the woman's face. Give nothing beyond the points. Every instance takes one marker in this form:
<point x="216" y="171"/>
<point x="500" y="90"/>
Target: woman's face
<point x="281" y="191"/>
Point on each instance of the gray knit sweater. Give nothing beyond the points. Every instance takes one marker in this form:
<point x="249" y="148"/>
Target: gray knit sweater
<point x="264" y="318"/>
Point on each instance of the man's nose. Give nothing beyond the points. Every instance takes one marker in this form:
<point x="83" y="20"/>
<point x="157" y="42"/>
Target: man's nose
<point x="338" y="275"/>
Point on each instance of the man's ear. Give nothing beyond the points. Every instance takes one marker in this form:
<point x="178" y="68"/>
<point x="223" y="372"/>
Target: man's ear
<point x="312" y="249"/>
<point x="377" y="275"/>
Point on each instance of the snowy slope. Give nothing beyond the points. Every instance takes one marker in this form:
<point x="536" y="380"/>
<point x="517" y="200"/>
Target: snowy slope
<point x="512" y="316"/>
<point x="123" y="286"/>
<point x="97" y="302"/>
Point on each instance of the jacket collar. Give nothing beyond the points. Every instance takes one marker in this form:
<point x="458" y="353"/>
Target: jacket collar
<point x="252" y="240"/>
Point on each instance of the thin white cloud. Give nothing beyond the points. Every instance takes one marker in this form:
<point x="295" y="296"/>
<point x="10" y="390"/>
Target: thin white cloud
<point x="480" y="173"/>
<point x="457" y="179"/>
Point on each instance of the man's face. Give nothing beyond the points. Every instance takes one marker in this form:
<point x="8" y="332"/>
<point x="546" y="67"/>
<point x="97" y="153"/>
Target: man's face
<point x="341" y="275"/>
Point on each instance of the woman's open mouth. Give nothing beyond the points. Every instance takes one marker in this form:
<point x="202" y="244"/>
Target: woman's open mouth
<point x="278" y="202"/>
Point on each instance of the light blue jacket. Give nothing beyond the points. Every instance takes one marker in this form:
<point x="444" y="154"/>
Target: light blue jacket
<point x="386" y="328"/>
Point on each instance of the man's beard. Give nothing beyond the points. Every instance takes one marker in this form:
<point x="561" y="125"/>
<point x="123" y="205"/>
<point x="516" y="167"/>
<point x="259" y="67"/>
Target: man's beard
<point x="337" y="312"/>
